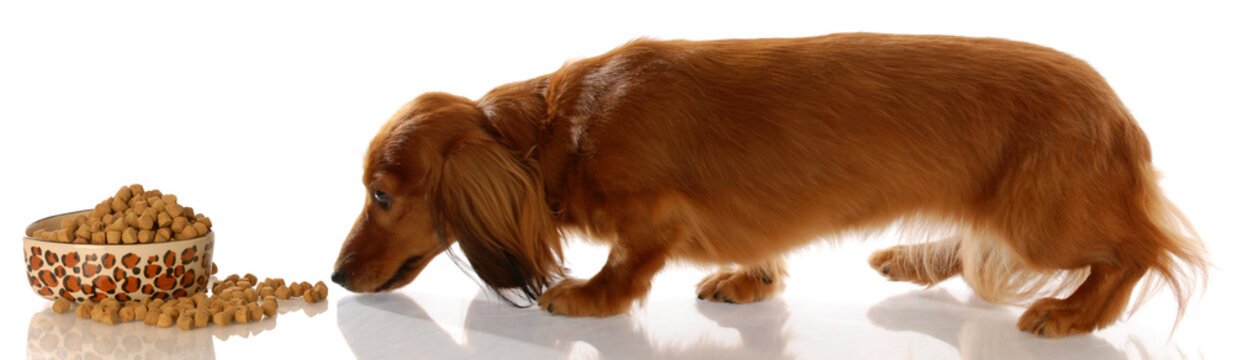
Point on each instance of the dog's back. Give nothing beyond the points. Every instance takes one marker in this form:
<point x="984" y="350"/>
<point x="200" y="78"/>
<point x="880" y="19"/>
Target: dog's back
<point x="844" y="130"/>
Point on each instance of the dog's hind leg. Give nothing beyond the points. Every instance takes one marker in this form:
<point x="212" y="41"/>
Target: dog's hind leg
<point x="925" y="264"/>
<point x="1095" y="304"/>
<point x="744" y="284"/>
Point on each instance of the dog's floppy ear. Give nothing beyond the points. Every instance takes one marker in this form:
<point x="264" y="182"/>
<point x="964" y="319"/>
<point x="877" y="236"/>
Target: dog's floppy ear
<point x="493" y="205"/>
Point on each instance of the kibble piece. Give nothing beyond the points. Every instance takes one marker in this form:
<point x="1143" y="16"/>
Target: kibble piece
<point x="110" y="317"/>
<point x="178" y="224"/>
<point x="138" y="206"/>
<point x="213" y="268"/>
<point x="254" y="312"/>
<point x="173" y="209"/>
<point x="116" y="224"/>
<point x="98" y="238"/>
<point x="124" y="193"/>
<point x="170" y="199"/>
<point x="296" y="289"/>
<point x="118" y="206"/>
<point x="201" y="228"/>
<point x="145" y="222"/>
<point x="201" y="319"/>
<point x="139" y="312"/>
<point x="188" y="212"/>
<point x="130" y="218"/>
<point x="250" y="295"/>
<point x="85" y="309"/>
<point x="152" y="316"/>
<point x="244" y="284"/>
<point x="110" y="303"/>
<point x="101" y="209"/>
<point x="83" y="232"/>
<point x="321" y="290"/>
<point x="310" y="296"/>
<point x="204" y="219"/>
<point x="158" y="205"/>
<point x="113" y="237"/>
<point x="252" y="279"/>
<point x="282" y="293"/>
<point x="187" y="232"/>
<point x="61" y="305"/>
<point x="265" y="290"/>
<point x="185" y="322"/>
<point x="241" y="315"/>
<point x="127" y="314"/>
<point x="137" y="189"/>
<point x="96" y="314"/>
<point x="222" y="318"/>
<point x="165" y="320"/>
<point x="199" y="298"/>
<point x="69" y="225"/>
<point x="129" y="236"/>
<point x="64" y="236"/>
<point x="145" y="236"/>
<point x="269" y="306"/>
<point x="159" y="237"/>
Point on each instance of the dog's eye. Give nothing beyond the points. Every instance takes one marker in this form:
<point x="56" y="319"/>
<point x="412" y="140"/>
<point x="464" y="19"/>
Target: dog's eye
<point x="382" y="198"/>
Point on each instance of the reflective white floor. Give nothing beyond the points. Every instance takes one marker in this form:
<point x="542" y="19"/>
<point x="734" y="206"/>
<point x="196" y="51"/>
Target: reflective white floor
<point x="833" y="308"/>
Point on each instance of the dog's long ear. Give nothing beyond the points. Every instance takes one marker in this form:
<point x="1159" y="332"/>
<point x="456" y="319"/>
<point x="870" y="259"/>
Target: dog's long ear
<point x="493" y="205"/>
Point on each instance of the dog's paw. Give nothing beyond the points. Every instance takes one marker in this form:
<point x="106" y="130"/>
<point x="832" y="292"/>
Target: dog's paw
<point x="895" y="265"/>
<point x="1055" y="318"/>
<point x="572" y="297"/>
<point x="738" y="287"/>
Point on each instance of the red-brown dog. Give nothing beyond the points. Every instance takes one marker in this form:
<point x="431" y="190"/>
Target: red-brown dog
<point x="738" y="151"/>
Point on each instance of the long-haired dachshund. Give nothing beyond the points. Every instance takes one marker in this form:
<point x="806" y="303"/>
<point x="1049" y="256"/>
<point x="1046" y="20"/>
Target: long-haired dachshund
<point x="739" y="151"/>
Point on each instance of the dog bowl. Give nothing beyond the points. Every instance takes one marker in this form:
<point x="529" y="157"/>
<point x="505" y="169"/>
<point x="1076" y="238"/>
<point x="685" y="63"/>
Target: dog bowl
<point x="123" y="272"/>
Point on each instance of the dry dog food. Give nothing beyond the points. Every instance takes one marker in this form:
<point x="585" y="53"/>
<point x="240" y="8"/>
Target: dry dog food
<point x="232" y="300"/>
<point x="132" y="216"/>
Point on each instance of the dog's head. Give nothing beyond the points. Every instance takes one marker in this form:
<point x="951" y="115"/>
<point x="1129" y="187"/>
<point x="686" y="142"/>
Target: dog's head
<point x="436" y="175"/>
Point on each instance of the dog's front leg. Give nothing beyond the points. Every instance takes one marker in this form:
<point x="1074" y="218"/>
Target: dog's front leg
<point x="626" y="277"/>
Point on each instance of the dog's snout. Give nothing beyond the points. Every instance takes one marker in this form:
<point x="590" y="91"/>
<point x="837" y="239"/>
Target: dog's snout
<point x="339" y="278"/>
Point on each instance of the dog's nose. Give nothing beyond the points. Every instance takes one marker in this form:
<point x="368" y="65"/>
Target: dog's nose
<point x="339" y="278"/>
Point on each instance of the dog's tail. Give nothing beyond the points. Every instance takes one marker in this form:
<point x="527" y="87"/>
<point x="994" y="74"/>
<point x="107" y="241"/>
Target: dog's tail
<point x="1183" y="264"/>
<point x="1173" y="254"/>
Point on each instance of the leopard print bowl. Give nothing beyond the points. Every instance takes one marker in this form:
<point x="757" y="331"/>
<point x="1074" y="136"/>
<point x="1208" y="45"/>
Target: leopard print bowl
<point x="123" y="272"/>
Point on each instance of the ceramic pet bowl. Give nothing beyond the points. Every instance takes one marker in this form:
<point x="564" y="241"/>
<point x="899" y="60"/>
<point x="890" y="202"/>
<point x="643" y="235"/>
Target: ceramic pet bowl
<point x="123" y="272"/>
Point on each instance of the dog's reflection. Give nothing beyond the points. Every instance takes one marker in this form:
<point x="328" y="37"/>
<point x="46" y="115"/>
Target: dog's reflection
<point x="393" y="325"/>
<point x="65" y="336"/>
<point x="980" y="330"/>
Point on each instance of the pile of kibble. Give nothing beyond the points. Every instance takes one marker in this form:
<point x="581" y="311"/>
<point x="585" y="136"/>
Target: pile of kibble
<point x="133" y="216"/>
<point x="234" y="299"/>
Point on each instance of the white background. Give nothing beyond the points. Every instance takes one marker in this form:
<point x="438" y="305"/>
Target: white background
<point x="257" y="113"/>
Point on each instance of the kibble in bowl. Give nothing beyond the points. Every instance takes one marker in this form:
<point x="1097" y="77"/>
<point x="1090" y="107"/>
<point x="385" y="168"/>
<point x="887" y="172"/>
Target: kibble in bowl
<point x="103" y="253"/>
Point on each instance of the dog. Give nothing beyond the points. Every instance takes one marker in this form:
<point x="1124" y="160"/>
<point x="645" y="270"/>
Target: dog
<point x="735" y="152"/>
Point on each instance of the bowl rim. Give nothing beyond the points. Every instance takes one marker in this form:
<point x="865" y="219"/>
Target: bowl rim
<point x="25" y="237"/>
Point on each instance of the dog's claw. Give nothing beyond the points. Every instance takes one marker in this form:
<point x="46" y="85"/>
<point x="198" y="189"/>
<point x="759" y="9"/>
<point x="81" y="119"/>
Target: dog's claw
<point x="767" y="279"/>
<point x="550" y="309"/>
<point x="886" y="270"/>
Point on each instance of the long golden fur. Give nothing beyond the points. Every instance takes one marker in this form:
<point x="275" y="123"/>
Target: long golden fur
<point x="738" y="151"/>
